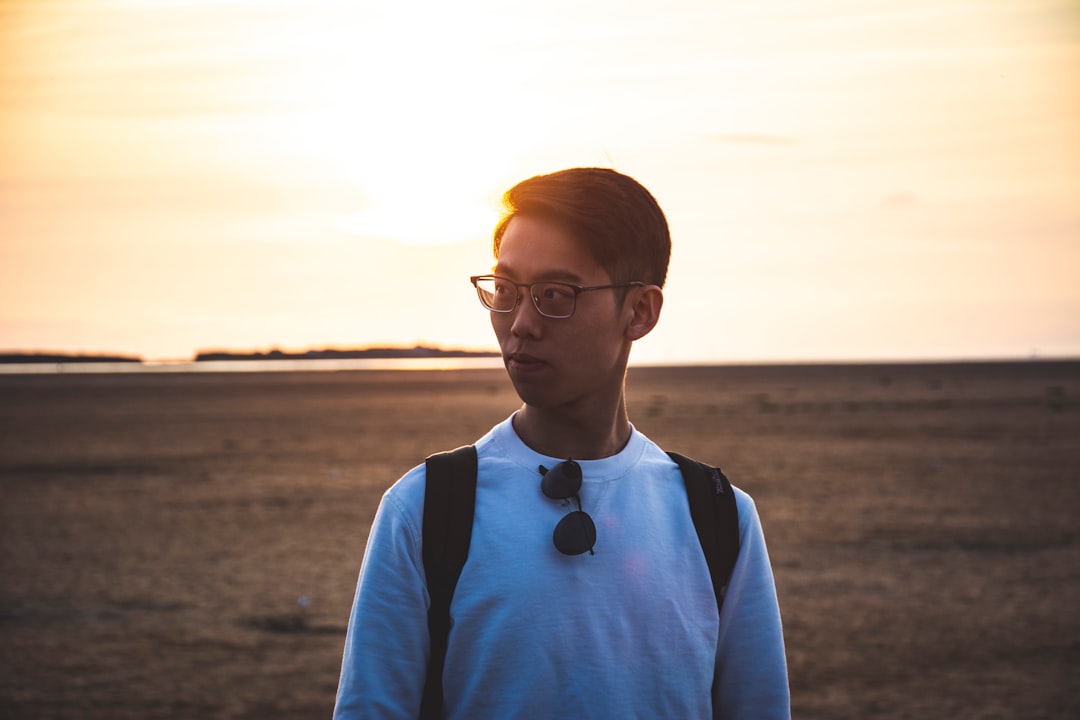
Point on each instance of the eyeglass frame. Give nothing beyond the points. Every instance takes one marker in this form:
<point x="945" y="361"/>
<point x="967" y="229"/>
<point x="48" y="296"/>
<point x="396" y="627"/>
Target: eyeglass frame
<point x="577" y="289"/>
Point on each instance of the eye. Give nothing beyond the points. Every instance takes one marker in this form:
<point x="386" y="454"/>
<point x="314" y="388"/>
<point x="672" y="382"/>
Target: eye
<point x="556" y="292"/>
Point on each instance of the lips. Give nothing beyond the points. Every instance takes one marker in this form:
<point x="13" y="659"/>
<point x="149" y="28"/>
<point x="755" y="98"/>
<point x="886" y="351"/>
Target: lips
<point x="523" y="361"/>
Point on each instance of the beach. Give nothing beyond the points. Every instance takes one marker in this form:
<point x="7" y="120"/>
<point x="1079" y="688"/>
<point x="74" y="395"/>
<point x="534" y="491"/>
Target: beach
<point x="186" y="545"/>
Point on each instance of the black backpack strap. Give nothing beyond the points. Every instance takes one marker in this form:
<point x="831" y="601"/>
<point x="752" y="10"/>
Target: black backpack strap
<point x="715" y="516"/>
<point x="449" y="499"/>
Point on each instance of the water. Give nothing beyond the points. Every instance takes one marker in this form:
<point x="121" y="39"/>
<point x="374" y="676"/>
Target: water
<point x="241" y="366"/>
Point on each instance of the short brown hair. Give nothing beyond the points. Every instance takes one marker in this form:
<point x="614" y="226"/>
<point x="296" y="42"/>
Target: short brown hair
<point x="612" y="214"/>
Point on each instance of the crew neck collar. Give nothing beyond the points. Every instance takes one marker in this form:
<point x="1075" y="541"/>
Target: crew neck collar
<point x="603" y="469"/>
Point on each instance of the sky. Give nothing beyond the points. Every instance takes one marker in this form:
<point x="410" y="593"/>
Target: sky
<point x="844" y="179"/>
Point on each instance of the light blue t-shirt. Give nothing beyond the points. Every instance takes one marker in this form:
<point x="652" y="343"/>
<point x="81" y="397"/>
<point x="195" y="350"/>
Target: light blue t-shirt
<point x="631" y="631"/>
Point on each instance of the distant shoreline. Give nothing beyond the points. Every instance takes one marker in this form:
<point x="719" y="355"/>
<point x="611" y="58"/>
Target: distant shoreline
<point x="384" y="353"/>
<point x="52" y="358"/>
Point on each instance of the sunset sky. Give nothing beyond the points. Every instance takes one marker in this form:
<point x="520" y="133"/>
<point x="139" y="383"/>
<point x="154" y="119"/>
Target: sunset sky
<point x="844" y="179"/>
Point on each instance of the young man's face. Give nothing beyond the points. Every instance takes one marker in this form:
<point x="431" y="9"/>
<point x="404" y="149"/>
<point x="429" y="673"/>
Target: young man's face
<point x="568" y="361"/>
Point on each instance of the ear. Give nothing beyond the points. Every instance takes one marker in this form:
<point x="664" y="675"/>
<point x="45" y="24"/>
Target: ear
<point x="645" y="309"/>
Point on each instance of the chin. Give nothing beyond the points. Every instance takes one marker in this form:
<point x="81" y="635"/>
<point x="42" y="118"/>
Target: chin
<point x="530" y="394"/>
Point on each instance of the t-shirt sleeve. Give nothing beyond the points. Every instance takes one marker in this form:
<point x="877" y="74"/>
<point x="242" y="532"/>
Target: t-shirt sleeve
<point x="386" y="646"/>
<point x="751" y="668"/>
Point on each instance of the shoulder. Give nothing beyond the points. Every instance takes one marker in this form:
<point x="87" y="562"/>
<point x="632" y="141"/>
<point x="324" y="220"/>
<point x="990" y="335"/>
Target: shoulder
<point x="402" y="504"/>
<point x="745" y="506"/>
<point x="747" y="509"/>
<point x="409" y="488"/>
<point x="406" y="496"/>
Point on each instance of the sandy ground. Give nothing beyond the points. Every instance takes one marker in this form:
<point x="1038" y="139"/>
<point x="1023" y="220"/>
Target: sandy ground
<point x="157" y="532"/>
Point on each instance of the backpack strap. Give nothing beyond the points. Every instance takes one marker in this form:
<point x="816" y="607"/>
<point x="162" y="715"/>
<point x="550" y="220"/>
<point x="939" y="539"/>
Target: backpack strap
<point x="449" y="499"/>
<point x="715" y="516"/>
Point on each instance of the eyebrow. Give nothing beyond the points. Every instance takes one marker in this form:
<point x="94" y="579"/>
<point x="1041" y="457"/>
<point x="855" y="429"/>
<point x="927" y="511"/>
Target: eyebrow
<point x="556" y="275"/>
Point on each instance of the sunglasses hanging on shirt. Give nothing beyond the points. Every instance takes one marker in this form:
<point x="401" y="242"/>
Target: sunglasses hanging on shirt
<point x="575" y="533"/>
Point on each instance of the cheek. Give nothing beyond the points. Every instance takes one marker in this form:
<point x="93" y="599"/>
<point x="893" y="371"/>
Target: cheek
<point x="500" y="323"/>
<point x="605" y="345"/>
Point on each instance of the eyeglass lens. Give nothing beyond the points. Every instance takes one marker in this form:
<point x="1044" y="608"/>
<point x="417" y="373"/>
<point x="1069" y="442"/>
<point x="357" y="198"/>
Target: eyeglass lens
<point x="551" y="299"/>
<point x="576" y="532"/>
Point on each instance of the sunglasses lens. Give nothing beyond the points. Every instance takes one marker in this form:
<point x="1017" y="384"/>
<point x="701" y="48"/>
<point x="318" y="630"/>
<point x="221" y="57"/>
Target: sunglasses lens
<point x="562" y="481"/>
<point x="575" y="534"/>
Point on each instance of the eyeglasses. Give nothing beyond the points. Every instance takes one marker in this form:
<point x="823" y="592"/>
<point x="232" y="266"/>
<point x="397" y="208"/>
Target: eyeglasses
<point x="552" y="299"/>
<point x="576" y="532"/>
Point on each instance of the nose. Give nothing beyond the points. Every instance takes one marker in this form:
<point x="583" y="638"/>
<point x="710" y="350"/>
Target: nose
<point x="526" y="320"/>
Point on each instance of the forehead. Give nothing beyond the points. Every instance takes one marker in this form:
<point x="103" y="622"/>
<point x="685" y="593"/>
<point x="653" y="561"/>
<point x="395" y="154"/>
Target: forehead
<point x="538" y="249"/>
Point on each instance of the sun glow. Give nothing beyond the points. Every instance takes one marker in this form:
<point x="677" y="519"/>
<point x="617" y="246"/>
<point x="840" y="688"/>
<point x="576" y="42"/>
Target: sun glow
<point x="415" y="120"/>
<point x="434" y="179"/>
<point x="184" y="173"/>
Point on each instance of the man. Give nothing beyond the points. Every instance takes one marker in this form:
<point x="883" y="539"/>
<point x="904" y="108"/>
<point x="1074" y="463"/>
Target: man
<point x="619" y="622"/>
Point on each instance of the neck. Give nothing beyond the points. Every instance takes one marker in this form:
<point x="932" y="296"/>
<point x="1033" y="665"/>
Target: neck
<point x="578" y="433"/>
